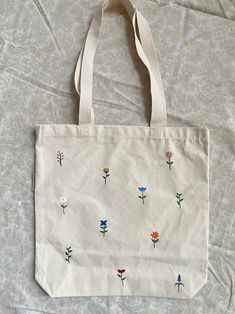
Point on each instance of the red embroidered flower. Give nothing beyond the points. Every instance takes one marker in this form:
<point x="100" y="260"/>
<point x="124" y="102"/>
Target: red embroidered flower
<point x="120" y="271"/>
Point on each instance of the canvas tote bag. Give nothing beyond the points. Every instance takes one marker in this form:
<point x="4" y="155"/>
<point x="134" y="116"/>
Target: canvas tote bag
<point x="121" y="210"/>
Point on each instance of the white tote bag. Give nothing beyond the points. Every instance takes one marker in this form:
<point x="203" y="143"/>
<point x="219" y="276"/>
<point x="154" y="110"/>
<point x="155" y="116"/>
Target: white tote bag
<point x="121" y="210"/>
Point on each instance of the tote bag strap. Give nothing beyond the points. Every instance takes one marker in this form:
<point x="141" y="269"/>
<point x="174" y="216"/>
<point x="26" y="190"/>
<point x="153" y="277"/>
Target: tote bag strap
<point x="83" y="77"/>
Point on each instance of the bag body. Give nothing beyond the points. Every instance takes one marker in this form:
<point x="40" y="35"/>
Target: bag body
<point x="121" y="210"/>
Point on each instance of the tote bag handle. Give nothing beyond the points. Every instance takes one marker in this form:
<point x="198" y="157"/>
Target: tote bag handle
<point x="83" y="77"/>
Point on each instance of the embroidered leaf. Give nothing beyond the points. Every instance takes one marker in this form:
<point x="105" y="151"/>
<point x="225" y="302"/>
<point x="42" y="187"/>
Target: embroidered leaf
<point x="66" y="253"/>
<point x="107" y="175"/>
<point x="140" y="196"/>
<point x="119" y="275"/>
<point x="178" y="202"/>
<point x="104" y="177"/>
<point x="124" y="278"/>
<point x="181" y="199"/>
<point x="144" y="196"/>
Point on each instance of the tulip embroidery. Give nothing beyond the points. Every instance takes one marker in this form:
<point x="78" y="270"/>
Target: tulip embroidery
<point x="154" y="237"/>
<point x="169" y="162"/>
<point x="106" y="174"/>
<point x="120" y="273"/>
<point x="103" y="226"/>
<point x="142" y="190"/>
<point x="179" y="199"/>
<point x="63" y="203"/>
<point x="179" y="283"/>
<point x="60" y="157"/>
<point x="68" y="254"/>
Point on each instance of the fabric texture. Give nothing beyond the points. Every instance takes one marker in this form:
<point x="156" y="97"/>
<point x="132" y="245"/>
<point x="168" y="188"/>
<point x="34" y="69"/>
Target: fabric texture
<point x="121" y="210"/>
<point x="39" y="45"/>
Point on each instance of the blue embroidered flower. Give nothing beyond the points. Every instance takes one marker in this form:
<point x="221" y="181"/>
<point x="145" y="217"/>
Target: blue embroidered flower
<point x="103" y="223"/>
<point x="103" y="226"/>
<point x="142" y="190"/>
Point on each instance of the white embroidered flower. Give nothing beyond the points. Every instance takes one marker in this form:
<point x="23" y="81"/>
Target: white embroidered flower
<point x="63" y="202"/>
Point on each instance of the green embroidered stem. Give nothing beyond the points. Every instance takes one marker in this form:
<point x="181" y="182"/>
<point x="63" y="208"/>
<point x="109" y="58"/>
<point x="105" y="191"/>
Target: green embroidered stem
<point x="103" y="230"/>
<point x="178" y="285"/>
<point x="154" y="242"/>
<point x="63" y="206"/>
<point x="179" y="199"/>
<point x="67" y="253"/>
<point x="169" y="162"/>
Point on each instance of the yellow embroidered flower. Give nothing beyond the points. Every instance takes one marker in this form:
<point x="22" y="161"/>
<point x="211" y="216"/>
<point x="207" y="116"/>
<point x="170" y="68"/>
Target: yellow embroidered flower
<point x="106" y="170"/>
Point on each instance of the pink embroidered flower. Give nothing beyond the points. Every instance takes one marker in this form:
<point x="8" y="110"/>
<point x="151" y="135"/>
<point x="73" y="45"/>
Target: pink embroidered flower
<point x="169" y="154"/>
<point x="169" y="162"/>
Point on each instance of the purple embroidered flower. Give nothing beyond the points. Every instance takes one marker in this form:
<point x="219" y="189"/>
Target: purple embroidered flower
<point x="179" y="283"/>
<point x="142" y="190"/>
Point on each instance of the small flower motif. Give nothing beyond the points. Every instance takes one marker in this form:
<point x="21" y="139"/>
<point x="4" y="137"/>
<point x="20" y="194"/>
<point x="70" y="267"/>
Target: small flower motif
<point x="103" y="226"/>
<point x="179" y="283"/>
<point x="120" y="273"/>
<point x="107" y="174"/>
<point x="68" y="254"/>
<point x="155" y="237"/>
<point x="63" y="203"/>
<point x="142" y="190"/>
<point x="60" y="157"/>
<point x="179" y="199"/>
<point x="169" y="162"/>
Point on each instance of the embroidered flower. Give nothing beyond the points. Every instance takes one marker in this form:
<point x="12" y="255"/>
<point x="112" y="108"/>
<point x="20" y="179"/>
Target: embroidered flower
<point x="63" y="203"/>
<point x="107" y="174"/>
<point x="179" y="199"/>
<point x="155" y="237"/>
<point x="68" y="254"/>
<point x="179" y="283"/>
<point x="142" y="190"/>
<point x="103" y="226"/>
<point x="120" y="273"/>
<point x="60" y="157"/>
<point x="169" y="162"/>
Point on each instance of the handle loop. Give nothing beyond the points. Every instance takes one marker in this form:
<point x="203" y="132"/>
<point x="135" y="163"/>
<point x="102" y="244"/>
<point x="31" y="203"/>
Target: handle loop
<point x="83" y="77"/>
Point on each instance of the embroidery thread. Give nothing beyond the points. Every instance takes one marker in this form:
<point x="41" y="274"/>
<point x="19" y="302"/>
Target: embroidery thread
<point x="179" y="283"/>
<point x="179" y="199"/>
<point x="63" y="203"/>
<point x="169" y="162"/>
<point x="120" y="273"/>
<point x="107" y="174"/>
<point x="155" y="237"/>
<point x="60" y="157"/>
<point x="103" y="226"/>
<point x="142" y="190"/>
<point x="68" y="254"/>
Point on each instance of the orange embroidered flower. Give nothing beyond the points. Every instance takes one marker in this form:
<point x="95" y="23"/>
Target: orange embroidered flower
<point x="154" y="234"/>
<point x="155" y="237"/>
